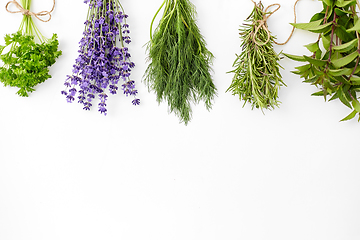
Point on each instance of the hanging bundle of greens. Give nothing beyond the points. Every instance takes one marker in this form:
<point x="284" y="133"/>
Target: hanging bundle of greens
<point x="257" y="79"/>
<point x="27" y="62"/>
<point x="179" y="71"/>
<point x="102" y="64"/>
<point x="333" y="65"/>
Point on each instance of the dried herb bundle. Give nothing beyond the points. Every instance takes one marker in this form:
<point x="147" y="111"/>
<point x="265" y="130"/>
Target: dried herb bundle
<point x="27" y="62"/>
<point x="257" y="79"/>
<point x="179" y="71"/>
<point x="102" y="65"/>
<point x="335" y="70"/>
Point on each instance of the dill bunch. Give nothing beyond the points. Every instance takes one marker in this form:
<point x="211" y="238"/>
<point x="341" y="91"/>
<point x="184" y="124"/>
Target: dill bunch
<point x="179" y="71"/>
<point x="257" y="79"/>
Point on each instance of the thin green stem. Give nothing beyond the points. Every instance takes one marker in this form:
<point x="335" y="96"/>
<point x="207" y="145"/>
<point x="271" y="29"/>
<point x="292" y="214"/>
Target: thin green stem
<point x="183" y="20"/>
<point x="152" y="22"/>
<point x="169" y="16"/>
<point x="28" y="26"/>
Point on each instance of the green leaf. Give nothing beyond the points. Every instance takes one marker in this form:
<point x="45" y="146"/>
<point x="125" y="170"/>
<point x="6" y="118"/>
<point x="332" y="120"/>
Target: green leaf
<point x="340" y="72"/>
<point x="342" y="3"/>
<point x="319" y="94"/>
<point x="346" y="46"/>
<point x="2" y="49"/>
<point x="335" y="55"/>
<point x="8" y="39"/>
<point x="317" y="16"/>
<point x="356" y="105"/>
<point x="322" y="28"/>
<point x="335" y="96"/>
<point x="341" y="79"/>
<point x="316" y="62"/>
<point x="342" y="33"/>
<point x="326" y="41"/>
<point x="338" y="63"/>
<point x="350" y="116"/>
<point x="313" y="47"/>
<point x="356" y="27"/>
<point x="346" y="91"/>
<point x="355" y="80"/>
<point x="303" y="68"/>
<point x="341" y="12"/>
<point x="308" y="26"/>
<point x="342" y="97"/>
<point x="295" y="58"/>
<point x="328" y="2"/>
<point x="311" y="80"/>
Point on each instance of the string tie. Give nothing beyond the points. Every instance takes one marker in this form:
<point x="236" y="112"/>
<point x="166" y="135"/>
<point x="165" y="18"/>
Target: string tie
<point x="29" y="13"/>
<point x="263" y="24"/>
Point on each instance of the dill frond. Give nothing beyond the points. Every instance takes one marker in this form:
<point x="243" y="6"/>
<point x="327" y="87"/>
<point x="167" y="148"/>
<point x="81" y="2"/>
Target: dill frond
<point x="179" y="71"/>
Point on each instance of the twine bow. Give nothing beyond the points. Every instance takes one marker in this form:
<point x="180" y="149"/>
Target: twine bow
<point x="263" y="24"/>
<point x="29" y="13"/>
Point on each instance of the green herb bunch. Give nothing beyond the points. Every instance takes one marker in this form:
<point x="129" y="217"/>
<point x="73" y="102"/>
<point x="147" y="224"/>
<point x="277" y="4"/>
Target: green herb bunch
<point x="26" y="63"/>
<point x="179" y="71"/>
<point x="257" y="79"/>
<point x="333" y="65"/>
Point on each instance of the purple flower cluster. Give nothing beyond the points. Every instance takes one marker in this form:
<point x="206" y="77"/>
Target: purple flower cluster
<point x="101" y="64"/>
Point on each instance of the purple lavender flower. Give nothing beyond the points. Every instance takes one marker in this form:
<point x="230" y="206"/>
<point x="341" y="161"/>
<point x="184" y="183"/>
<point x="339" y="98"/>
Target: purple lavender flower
<point x="136" y="101"/>
<point x="101" y="64"/>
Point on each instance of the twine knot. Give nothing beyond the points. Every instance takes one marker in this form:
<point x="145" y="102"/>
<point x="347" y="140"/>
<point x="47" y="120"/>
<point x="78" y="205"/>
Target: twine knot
<point x="263" y="24"/>
<point x="27" y="12"/>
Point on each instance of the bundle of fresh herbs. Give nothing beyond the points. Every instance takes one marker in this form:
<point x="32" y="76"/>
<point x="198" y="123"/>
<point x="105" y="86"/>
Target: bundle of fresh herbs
<point x="27" y="62"/>
<point x="179" y="71"/>
<point x="257" y="79"/>
<point x="333" y="65"/>
<point x="101" y="64"/>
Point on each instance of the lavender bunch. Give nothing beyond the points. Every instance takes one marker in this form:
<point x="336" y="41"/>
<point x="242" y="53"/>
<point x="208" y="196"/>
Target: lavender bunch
<point x="101" y="64"/>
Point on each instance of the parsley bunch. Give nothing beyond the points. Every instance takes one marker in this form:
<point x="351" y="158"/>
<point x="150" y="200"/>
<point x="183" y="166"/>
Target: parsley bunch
<point x="333" y="65"/>
<point x="257" y="79"/>
<point x="27" y="63"/>
<point x="179" y="71"/>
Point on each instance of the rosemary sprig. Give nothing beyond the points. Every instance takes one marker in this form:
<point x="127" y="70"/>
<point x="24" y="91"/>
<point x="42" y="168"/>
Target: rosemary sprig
<point x="179" y="71"/>
<point x="257" y="79"/>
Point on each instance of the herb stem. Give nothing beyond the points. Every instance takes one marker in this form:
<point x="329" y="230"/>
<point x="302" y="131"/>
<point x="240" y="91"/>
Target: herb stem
<point x="152" y="22"/>
<point x="332" y="37"/>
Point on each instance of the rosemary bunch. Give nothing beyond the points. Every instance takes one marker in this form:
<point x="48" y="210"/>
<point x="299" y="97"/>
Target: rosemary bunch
<point x="27" y="62"/>
<point x="333" y="65"/>
<point x="179" y="72"/>
<point x="257" y="79"/>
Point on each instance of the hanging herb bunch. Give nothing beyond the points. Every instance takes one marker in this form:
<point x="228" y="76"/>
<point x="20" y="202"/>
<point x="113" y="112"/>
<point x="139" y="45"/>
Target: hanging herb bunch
<point x="30" y="54"/>
<point x="257" y="79"/>
<point x="101" y="64"/>
<point x="333" y="65"/>
<point x="179" y="71"/>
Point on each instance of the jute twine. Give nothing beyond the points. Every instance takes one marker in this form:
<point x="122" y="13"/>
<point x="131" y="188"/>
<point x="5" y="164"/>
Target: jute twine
<point x="263" y="24"/>
<point x="29" y="13"/>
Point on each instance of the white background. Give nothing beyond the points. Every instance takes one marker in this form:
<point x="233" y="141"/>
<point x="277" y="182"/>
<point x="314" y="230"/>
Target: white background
<point x="232" y="173"/>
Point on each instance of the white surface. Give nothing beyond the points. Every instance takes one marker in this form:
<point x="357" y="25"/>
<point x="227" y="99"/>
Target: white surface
<point x="138" y="174"/>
